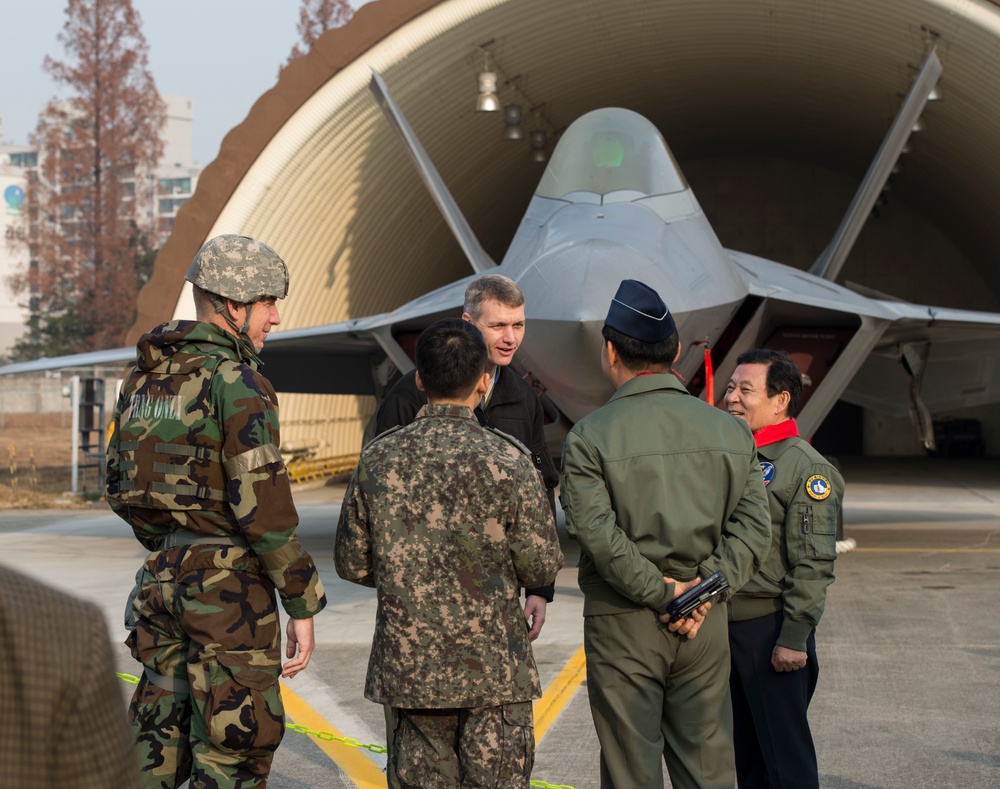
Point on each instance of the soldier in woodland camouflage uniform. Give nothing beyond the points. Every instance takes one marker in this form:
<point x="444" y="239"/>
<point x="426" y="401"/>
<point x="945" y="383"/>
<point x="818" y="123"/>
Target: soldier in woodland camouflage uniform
<point x="194" y="468"/>
<point x="447" y="519"/>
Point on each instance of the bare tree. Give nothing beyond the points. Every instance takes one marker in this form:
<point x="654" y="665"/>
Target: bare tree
<point x="315" y="18"/>
<point x="88" y="203"/>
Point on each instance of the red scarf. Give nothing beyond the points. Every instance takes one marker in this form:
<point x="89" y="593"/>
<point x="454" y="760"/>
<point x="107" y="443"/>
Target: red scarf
<point x="772" y="434"/>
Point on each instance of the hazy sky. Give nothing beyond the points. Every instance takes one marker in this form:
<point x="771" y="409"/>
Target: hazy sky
<point x="223" y="54"/>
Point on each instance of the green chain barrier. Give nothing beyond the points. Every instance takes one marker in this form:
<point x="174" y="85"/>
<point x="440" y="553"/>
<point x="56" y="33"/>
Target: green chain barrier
<point x="350" y="742"/>
<point x="328" y="737"/>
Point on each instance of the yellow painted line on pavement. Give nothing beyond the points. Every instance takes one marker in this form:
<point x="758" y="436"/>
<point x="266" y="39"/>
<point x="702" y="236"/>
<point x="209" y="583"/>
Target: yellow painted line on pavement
<point x="364" y="773"/>
<point x="357" y="767"/>
<point x="559" y="693"/>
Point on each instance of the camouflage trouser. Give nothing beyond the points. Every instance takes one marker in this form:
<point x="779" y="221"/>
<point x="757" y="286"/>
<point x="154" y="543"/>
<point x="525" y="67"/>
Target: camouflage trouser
<point x="481" y="748"/>
<point x="207" y="616"/>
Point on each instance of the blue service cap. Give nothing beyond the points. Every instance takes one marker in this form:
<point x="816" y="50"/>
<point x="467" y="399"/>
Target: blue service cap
<point x="637" y="311"/>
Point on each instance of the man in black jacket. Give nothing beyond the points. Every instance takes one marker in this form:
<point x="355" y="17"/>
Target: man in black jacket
<point x="495" y="305"/>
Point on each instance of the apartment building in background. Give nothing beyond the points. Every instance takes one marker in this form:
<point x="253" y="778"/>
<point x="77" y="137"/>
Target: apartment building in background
<point x="172" y="185"/>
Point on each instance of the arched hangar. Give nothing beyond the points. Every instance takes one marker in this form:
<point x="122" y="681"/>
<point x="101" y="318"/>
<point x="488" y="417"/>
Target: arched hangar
<point x="773" y="108"/>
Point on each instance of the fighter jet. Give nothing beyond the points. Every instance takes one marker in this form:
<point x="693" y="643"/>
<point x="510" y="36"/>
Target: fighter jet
<point x="613" y="204"/>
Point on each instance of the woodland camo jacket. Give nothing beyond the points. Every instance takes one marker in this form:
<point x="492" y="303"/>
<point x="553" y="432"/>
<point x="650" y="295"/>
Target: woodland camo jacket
<point x="195" y="447"/>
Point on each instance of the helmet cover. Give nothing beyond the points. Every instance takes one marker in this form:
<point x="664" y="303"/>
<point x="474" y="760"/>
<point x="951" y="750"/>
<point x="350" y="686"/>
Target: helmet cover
<point x="239" y="268"/>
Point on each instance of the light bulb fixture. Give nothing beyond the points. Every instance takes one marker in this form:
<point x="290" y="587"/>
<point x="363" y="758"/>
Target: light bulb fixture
<point x="512" y="120"/>
<point x="538" y="140"/>
<point x="487" y="101"/>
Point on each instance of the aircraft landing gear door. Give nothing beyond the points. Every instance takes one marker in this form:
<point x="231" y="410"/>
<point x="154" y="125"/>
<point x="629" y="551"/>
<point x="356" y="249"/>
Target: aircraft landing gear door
<point x="815" y="351"/>
<point x="913" y="357"/>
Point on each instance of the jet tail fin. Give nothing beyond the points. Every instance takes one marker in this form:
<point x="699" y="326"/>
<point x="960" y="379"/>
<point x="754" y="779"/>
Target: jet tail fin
<point x="829" y="264"/>
<point x="480" y="261"/>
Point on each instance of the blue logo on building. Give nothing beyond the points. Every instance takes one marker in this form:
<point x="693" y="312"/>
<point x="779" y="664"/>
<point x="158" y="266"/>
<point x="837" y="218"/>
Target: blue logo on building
<point x="13" y="196"/>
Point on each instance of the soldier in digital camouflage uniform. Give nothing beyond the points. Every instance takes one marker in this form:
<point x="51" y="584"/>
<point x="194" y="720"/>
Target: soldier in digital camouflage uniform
<point x="447" y="519"/>
<point x="194" y="468"/>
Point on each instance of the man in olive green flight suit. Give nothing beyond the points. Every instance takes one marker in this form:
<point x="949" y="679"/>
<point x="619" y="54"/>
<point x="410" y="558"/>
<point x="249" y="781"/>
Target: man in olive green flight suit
<point x="660" y="489"/>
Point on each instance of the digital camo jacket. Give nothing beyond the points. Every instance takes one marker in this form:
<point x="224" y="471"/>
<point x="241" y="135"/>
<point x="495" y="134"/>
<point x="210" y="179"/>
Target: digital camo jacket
<point x="195" y="447"/>
<point x="513" y="408"/>
<point x="447" y="519"/>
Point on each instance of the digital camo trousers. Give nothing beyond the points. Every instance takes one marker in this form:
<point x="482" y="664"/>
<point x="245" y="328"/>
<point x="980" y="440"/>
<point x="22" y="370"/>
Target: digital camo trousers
<point x="481" y="748"/>
<point x="206" y="616"/>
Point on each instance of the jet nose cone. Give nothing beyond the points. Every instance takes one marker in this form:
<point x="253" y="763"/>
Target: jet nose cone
<point x="570" y="292"/>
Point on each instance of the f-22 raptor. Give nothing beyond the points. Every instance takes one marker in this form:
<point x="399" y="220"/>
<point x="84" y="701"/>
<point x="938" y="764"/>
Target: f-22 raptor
<point x="612" y="205"/>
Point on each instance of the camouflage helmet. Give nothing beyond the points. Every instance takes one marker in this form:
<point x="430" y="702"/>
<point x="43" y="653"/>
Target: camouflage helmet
<point x="239" y="268"/>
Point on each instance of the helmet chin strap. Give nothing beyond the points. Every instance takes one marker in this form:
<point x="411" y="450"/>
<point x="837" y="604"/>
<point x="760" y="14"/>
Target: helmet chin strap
<point x="240" y="331"/>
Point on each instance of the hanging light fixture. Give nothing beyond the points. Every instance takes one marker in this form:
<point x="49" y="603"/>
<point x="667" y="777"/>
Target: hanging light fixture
<point x="512" y="122"/>
<point x="538" y="141"/>
<point x="488" y="101"/>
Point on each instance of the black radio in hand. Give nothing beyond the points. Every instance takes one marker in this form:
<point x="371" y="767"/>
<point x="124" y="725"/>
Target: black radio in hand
<point x="684" y="604"/>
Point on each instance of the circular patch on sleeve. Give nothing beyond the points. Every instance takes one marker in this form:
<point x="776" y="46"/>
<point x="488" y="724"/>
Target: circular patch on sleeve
<point x="818" y="487"/>
<point x="767" y="470"/>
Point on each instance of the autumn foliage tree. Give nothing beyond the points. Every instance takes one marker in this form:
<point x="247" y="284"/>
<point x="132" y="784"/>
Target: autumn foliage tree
<point x="315" y="18"/>
<point x="88" y="201"/>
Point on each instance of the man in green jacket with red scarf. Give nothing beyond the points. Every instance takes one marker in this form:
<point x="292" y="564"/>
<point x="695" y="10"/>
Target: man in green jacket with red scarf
<point x="772" y="628"/>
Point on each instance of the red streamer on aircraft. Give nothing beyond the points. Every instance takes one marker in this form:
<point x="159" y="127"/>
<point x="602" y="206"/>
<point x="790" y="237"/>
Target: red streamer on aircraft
<point x="709" y="377"/>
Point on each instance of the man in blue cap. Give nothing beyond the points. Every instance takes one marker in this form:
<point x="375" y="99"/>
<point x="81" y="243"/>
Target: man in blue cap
<point x="661" y="490"/>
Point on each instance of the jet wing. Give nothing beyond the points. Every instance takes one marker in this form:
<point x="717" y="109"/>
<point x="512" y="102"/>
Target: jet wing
<point x="962" y="358"/>
<point x="349" y="357"/>
<point x="769" y="280"/>
<point x="356" y="356"/>
<point x="76" y="360"/>
<point x="336" y="358"/>
<point x="952" y="354"/>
